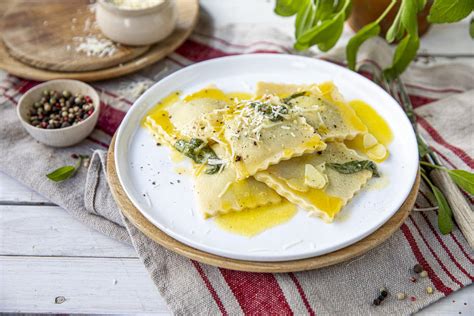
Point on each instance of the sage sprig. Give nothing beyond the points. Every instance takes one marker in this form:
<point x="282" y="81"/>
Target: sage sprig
<point x="464" y="179"/>
<point x="320" y="23"/>
<point x="66" y="172"/>
<point x="445" y="214"/>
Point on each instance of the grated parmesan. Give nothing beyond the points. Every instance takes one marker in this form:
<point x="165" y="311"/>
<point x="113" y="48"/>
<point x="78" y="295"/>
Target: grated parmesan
<point x="93" y="46"/>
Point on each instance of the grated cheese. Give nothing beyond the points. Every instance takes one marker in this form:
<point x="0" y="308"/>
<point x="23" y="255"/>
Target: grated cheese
<point x="93" y="46"/>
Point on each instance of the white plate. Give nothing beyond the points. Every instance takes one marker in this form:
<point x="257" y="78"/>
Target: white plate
<point x="146" y="171"/>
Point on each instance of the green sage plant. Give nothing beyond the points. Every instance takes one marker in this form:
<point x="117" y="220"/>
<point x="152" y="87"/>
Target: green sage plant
<point x="320" y="23"/>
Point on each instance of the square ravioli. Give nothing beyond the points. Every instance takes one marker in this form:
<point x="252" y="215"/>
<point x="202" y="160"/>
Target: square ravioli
<point x="335" y="120"/>
<point x="312" y="182"/>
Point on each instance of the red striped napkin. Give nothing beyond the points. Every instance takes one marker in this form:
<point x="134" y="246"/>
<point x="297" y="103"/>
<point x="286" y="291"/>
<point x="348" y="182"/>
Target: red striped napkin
<point x="442" y="95"/>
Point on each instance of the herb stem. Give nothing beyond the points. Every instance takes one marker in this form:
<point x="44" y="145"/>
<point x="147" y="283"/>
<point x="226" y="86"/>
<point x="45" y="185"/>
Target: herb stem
<point x="387" y="10"/>
<point x="424" y="163"/>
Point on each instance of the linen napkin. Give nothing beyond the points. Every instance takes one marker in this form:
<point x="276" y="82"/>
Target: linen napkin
<point x="442" y="95"/>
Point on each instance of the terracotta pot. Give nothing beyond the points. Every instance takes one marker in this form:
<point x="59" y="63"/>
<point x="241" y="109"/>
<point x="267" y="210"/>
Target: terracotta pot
<point x="366" y="11"/>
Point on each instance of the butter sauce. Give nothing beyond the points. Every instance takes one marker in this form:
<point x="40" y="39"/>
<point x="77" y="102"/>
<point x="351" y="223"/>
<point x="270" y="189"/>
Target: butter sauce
<point x="254" y="221"/>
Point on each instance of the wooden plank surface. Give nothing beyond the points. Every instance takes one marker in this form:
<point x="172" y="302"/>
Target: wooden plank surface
<point x="87" y="285"/>
<point x="51" y="231"/>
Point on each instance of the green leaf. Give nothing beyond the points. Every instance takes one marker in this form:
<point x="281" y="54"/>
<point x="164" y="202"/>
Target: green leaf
<point x="305" y="18"/>
<point x="445" y="215"/>
<point x="324" y="10"/>
<point x="355" y="166"/>
<point x="471" y="28"/>
<point x="368" y="31"/>
<point x="287" y="7"/>
<point x="448" y="11"/>
<point x="404" y="54"/>
<point x="330" y="36"/>
<point x="62" y="173"/>
<point x="325" y="34"/>
<point x="395" y="29"/>
<point x="409" y="9"/>
<point x="464" y="179"/>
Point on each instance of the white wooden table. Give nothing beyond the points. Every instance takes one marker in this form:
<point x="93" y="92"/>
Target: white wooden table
<point x="49" y="262"/>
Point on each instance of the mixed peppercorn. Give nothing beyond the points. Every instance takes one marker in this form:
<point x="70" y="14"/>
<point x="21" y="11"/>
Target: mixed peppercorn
<point x="60" y="109"/>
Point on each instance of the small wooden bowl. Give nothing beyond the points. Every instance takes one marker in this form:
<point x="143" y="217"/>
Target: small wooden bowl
<point x="60" y="137"/>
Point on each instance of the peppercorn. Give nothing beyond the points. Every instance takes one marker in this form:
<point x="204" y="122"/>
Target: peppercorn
<point x="417" y="268"/>
<point x="58" y="109"/>
<point x="429" y="290"/>
<point x="377" y="302"/>
<point x="424" y="274"/>
<point x="384" y="293"/>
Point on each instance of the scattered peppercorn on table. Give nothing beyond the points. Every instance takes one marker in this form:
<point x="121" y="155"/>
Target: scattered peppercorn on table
<point x="44" y="268"/>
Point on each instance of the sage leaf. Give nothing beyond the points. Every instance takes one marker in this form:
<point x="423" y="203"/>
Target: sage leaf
<point x="324" y="10"/>
<point x="355" y="166"/>
<point x="404" y="54"/>
<point x="287" y="7"/>
<point x="445" y="214"/>
<point x="199" y="152"/>
<point x="448" y="11"/>
<point x="305" y="18"/>
<point x="464" y="179"/>
<point x="368" y="31"/>
<point x="62" y="173"/>
<point x="409" y="9"/>
<point x="395" y="31"/>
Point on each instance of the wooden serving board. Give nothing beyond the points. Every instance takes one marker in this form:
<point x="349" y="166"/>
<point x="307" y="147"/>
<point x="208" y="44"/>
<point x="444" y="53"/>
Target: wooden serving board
<point x="45" y="34"/>
<point x="188" y="11"/>
<point x="345" y="254"/>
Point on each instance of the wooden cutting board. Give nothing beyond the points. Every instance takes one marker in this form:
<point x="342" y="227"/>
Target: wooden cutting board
<point x="345" y="254"/>
<point x="45" y="34"/>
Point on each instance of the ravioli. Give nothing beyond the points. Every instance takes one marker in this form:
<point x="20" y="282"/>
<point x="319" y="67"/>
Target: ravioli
<point x="261" y="133"/>
<point x="336" y="120"/>
<point x="221" y="193"/>
<point x="216" y="193"/>
<point x="288" y="179"/>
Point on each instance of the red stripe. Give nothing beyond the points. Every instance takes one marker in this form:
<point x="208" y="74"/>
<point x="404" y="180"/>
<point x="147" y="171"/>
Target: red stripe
<point x="435" y="255"/>
<point x="257" y="293"/>
<point x="418" y="100"/>
<point x="210" y="287"/>
<point x="109" y="118"/>
<point x="302" y="294"/>
<point x="441" y="242"/>
<point x="196" y="52"/>
<point x="430" y="89"/>
<point x="462" y="248"/>
<point x="439" y="285"/>
<point x="440" y="140"/>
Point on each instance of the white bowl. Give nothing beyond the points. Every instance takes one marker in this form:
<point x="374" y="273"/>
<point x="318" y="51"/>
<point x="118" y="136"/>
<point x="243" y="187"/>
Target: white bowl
<point x="136" y="26"/>
<point x="60" y="137"/>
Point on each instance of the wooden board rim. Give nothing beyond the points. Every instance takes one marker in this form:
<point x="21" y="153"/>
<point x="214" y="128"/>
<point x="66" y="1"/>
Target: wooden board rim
<point x="154" y="54"/>
<point x="341" y="255"/>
